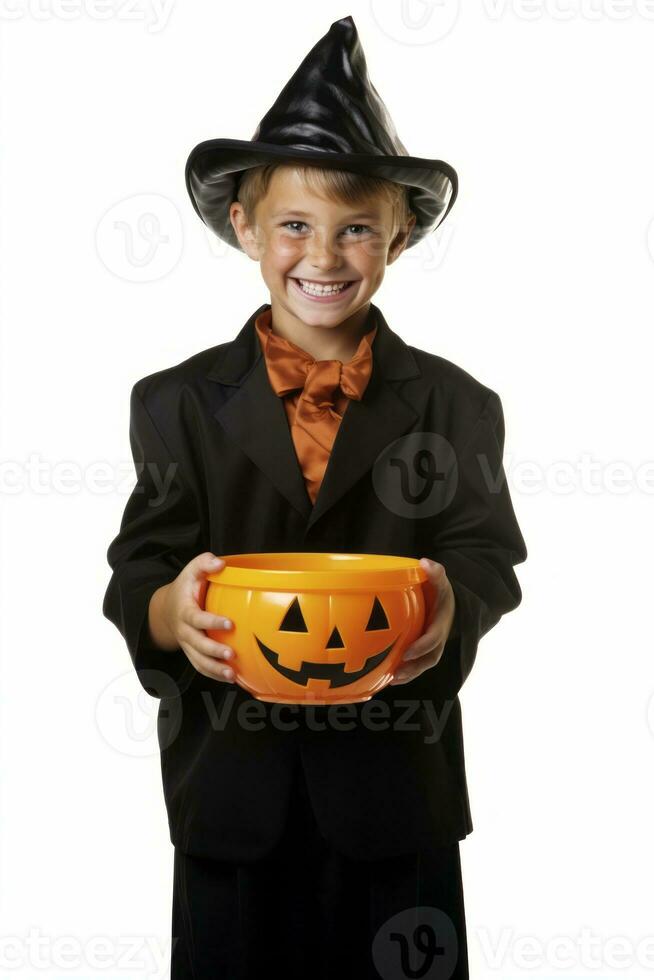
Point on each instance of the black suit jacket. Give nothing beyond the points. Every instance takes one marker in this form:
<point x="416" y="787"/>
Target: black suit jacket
<point x="385" y="776"/>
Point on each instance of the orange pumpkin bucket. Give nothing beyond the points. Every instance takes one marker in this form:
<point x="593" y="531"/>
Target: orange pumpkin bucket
<point x="315" y="627"/>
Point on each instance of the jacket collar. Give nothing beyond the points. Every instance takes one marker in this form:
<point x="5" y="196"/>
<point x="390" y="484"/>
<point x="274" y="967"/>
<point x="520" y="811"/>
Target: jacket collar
<point x="255" y="418"/>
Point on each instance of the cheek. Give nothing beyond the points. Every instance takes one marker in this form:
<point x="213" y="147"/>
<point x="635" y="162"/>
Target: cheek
<point x="283" y="252"/>
<point x="370" y="259"/>
<point x="273" y="268"/>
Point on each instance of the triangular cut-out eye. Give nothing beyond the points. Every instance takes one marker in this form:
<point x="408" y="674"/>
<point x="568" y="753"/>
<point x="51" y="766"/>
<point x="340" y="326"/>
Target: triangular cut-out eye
<point x="377" y="619"/>
<point x="293" y="621"/>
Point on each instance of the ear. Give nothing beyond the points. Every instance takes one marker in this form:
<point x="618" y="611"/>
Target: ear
<point x="244" y="232"/>
<point x="399" y="243"/>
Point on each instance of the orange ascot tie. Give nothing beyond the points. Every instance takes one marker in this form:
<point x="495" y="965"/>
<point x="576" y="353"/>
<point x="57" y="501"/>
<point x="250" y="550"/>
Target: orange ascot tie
<point x="315" y="393"/>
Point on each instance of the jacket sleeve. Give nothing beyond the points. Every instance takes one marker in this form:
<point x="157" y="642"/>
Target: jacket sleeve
<point x="479" y="542"/>
<point x="159" y="534"/>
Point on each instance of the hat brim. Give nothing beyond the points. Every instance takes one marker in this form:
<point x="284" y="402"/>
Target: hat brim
<point x="214" y="167"/>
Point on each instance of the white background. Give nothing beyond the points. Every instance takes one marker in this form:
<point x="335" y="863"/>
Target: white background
<point x="539" y="284"/>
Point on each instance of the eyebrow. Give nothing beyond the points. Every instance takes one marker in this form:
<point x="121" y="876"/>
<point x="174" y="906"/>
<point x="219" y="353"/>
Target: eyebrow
<point x="304" y="214"/>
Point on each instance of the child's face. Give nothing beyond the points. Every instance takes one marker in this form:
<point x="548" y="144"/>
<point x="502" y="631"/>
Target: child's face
<point x="300" y="235"/>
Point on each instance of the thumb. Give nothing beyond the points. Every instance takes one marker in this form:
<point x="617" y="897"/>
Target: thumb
<point x="205" y="563"/>
<point x="431" y="566"/>
<point x="435" y="571"/>
<point x="198" y="569"/>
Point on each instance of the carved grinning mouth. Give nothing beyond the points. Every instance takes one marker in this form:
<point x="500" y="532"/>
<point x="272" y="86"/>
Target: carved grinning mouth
<point x="334" y="673"/>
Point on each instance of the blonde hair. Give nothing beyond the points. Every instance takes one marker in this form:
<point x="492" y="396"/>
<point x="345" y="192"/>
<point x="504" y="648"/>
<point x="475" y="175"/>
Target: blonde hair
<point x="337" y="185"/>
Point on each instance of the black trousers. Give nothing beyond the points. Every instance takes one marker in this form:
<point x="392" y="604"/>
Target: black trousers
<point x="307" y="911"/>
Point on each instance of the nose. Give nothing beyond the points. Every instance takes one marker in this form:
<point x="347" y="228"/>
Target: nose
<point x="322" y="254"/>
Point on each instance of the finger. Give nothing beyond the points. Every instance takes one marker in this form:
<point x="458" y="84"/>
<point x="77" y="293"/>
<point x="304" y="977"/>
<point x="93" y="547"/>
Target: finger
<point x="199" y="619"/>
<point x="401" y="677"/>
<point x="409" y="673"/>
<point x="428" y="641"/>
<point x="432" y="638"/>
<point x="209" y="666"/>
<point x="205" y="645"/>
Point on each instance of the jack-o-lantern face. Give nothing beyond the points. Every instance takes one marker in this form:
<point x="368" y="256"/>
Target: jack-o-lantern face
<point x="335" y="671"/>
<point x="314" y="643"/>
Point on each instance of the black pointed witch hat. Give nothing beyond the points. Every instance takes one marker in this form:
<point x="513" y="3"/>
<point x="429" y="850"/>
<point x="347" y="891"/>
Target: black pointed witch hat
<point x="328" y="113"/>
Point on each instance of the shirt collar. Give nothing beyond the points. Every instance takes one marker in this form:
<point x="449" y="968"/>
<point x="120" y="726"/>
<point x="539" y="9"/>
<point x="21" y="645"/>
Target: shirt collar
<point x="288" y="364"/>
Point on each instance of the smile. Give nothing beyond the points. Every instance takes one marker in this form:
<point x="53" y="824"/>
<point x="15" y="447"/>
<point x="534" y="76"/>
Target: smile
<point x="319" y="293"/>
<point x="334" y="673"/>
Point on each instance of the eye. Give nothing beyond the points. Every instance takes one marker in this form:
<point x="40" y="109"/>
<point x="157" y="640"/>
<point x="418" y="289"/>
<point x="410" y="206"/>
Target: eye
<point x="290" y="225"/>
<point x="377" y="619"/>
<point x="293" y="621"/>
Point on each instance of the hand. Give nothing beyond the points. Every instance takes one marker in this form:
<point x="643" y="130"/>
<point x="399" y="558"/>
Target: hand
<point x="177" y="618"/>
<point x="427" y="649"/>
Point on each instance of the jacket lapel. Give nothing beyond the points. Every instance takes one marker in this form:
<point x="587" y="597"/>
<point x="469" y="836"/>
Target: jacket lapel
<point x="255" y="418"/>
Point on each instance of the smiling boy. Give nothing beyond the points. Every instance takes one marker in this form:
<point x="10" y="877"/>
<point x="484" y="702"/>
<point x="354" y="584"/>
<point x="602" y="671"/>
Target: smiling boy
<point x="333" y="242"/>
<point x="304" y="845"/>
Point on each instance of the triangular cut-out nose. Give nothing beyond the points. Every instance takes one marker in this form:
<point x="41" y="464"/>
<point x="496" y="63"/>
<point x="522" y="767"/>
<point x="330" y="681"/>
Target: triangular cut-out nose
<point x="335" y="640"/>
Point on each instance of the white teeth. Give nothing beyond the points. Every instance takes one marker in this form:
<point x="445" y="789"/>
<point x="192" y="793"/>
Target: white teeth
<point x="319" y="290"/>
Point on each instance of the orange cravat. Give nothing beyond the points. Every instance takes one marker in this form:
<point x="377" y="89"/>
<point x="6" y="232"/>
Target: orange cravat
<point x="315" y="394"/>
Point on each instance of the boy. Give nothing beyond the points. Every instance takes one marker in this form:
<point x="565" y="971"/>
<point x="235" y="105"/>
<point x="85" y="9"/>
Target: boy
<point x="315" y="842"/>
